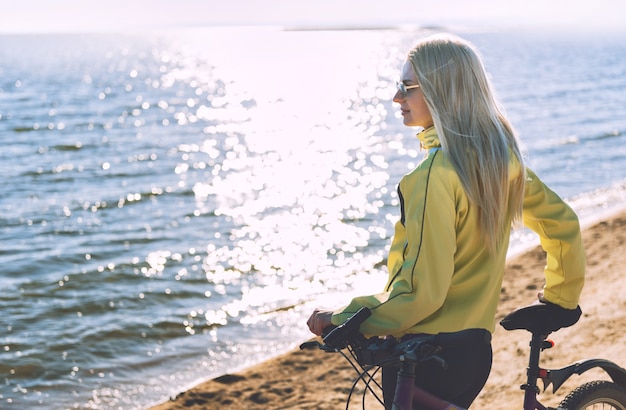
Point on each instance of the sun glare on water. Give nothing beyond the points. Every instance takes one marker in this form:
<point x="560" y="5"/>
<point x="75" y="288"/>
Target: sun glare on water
<point x="292" y="148"/>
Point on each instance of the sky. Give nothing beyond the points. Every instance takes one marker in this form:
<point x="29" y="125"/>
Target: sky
<point x="46" y="16"/>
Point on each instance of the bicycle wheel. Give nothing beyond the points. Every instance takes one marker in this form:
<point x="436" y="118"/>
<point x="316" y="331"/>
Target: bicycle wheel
<point x="596" y="395"/>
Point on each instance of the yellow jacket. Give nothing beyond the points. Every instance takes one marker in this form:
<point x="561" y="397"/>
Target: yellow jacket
<point x="441" y="277"/>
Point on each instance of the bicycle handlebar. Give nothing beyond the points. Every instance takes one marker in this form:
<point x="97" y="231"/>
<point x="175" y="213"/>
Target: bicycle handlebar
<point x="339" y="337"/>
<point x="376" y="352"/>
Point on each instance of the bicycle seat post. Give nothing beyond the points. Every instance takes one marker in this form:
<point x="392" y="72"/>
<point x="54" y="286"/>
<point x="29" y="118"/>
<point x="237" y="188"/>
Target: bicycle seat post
<point x="532" y="372"/>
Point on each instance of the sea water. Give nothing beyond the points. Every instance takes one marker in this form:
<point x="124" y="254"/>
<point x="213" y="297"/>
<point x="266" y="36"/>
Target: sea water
<point x="174" y="204"/>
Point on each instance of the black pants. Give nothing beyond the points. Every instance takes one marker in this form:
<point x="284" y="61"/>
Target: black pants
<point x="468" y="366"/>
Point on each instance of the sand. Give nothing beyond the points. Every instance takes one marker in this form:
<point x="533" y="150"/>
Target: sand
<point x="315" y="380"/>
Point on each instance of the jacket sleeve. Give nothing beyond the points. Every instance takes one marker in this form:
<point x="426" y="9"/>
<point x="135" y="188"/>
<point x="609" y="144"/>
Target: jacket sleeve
<point x="421" y="258"/>
<point x="559" y="232"/>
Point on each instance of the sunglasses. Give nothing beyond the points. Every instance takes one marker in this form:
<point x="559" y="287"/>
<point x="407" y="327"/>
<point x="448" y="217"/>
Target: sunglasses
<point x="404" y="89"/>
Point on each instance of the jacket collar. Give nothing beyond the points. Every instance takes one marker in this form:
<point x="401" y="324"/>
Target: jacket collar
<point x="429" y="139"/>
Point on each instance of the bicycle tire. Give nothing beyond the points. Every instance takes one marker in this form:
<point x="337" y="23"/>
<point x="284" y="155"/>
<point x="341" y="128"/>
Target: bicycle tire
<point x="595" y="395"/>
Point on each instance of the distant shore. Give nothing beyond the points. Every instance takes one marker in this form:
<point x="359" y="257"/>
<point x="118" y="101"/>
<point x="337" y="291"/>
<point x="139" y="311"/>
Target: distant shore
<point x="316" y="380"/>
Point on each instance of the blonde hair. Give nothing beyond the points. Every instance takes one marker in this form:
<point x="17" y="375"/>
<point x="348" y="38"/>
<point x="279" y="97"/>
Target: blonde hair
<point x="473" y="130"/>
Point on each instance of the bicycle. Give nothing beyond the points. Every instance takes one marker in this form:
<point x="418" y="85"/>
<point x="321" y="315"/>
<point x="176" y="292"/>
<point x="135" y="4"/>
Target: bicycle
<point x="367" y="356"/>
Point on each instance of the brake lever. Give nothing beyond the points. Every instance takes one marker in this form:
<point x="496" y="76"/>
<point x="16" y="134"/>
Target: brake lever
<point x="440" y="361"/>
<point x="311" y="345"/>
<point x="314" y="344"/>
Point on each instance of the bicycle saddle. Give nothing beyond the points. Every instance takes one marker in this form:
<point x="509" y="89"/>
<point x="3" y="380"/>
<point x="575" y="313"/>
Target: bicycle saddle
<point x="541" y="318"/>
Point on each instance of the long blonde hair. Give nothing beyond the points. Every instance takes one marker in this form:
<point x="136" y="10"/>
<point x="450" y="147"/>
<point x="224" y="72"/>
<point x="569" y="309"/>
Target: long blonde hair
<point x="473" y="130"/>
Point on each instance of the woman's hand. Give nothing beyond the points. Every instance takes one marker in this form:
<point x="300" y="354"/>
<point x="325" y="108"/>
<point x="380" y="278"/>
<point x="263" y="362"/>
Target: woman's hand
<point x="319" y="320"/>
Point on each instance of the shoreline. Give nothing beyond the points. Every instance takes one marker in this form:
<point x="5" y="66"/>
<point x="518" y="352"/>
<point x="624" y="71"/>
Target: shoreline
<point x="314" y="379"/>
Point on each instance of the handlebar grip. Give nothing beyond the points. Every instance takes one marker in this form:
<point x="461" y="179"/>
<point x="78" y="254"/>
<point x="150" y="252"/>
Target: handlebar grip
<point x="337" y="337"/>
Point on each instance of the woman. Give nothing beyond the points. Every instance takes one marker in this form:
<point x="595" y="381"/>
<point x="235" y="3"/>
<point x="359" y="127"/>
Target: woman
<point x="448" y="252"/>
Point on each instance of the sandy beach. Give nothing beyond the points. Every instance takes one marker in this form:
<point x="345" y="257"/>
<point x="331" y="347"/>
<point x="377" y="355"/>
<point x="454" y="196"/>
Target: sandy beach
<point x="317" y="380"/>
